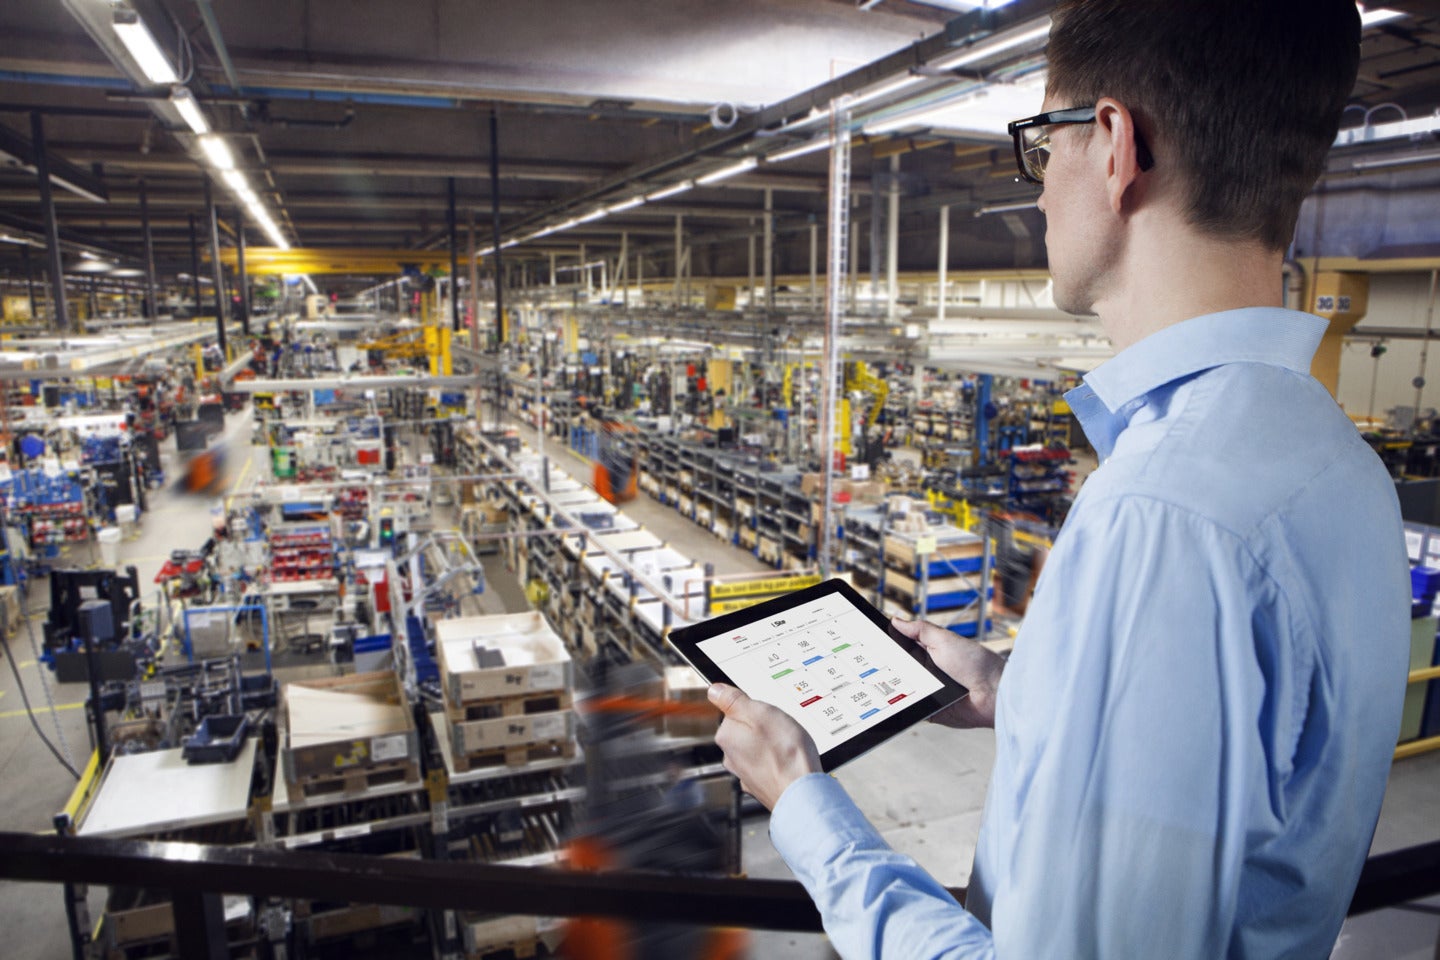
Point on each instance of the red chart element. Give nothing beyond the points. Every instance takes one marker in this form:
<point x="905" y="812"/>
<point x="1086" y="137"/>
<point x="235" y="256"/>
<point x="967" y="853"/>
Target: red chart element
<point x="896" y="699"/>
<point x="806" y="703"/>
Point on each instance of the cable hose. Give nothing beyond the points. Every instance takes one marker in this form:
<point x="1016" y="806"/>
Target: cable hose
<point x="20" y="684"/>
<point x="49" y="697"/>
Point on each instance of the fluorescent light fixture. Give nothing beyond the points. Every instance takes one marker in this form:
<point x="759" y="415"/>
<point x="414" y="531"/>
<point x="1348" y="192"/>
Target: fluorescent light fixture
<point x="184" y="102"/>
<point x="235" y="180"/>
<point x="218" y="151"/>
<point x="990" y="208"/>
<point x="669" y="191"/>
<point x="6" y="238"/>
<point x="725" y="173"/>
<point x="142" y="46"/>
<point x="485" y="253"/>
<point x="508" y="243"/>
<point x="1377" y="16"/>
<point x="994" y="45"/>
<point x="880" y="92"/>
<point x="309" y="283"/>
<point x="592" y="216"/>
<point x="811" y="146"/>
<point x="626" y="205"/>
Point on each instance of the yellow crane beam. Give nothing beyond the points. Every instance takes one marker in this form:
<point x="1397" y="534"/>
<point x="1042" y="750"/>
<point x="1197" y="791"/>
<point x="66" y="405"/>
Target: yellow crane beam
<point x="273" y="261"/>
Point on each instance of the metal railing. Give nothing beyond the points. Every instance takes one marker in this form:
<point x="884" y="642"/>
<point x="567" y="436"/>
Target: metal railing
<point x="196" y="875"/>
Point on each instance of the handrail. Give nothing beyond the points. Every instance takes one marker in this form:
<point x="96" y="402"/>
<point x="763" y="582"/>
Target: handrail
<point x="1386" y="880"/>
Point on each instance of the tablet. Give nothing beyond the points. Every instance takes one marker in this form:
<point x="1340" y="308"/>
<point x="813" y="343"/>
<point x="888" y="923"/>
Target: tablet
<point x="827" y="658"/>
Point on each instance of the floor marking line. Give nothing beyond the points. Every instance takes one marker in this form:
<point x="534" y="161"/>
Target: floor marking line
<point x="59" y="706"/>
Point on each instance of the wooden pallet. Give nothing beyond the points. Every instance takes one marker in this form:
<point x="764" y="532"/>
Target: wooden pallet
<point x="540" y="701"/>
<point x="358" y="779"/>
<point x="514" y="756"/>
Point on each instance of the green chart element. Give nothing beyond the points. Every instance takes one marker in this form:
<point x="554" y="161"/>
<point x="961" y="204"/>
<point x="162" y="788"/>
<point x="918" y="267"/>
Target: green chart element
<point x="781" y="674"/>
<point x="842" y="646"/>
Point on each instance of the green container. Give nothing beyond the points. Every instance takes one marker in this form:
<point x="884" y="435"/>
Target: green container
<point x="1422" y="655"/>
<point x="282" y="463"/>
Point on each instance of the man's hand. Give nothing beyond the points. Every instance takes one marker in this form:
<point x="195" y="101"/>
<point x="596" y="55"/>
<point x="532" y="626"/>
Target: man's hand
<point x="763" y="746"/>
<point x="974" y="666"/>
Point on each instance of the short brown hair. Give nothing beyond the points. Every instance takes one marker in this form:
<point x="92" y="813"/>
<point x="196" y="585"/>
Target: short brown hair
<point x="1243" y="96"/>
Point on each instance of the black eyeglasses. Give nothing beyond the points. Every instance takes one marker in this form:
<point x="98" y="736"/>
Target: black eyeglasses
<point x="1032" y="141"/>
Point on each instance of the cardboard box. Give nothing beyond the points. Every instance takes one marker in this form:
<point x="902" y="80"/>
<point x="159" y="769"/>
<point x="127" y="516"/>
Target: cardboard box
<point x="684" y="685"/>
<point x="534" y="657"/>
<point x="340" y="726"/>
<point x="482" y="934"/>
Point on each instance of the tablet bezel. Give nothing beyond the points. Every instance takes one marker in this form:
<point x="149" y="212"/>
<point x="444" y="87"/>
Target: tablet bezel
<point x="686" y="641"/>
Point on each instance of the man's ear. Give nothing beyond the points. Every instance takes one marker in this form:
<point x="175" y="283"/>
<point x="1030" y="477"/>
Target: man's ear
<point x="1122" y="169"/>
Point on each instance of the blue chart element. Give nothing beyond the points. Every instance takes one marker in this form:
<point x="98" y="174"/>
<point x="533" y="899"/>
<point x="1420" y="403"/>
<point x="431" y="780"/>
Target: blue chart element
<point x="870" y="713"/>
<point x="868" y="672"/>
<point x="813" y="660"/>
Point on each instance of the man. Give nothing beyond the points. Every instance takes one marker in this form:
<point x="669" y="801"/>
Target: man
<point x="1194" y="732"/>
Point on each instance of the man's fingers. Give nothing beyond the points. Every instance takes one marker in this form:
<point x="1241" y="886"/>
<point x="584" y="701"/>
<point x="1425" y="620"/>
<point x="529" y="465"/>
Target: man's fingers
<point x="726" y="697"/>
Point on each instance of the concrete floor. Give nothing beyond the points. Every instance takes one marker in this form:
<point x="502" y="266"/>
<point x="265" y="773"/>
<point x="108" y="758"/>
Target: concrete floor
<point x="924" y="790"/>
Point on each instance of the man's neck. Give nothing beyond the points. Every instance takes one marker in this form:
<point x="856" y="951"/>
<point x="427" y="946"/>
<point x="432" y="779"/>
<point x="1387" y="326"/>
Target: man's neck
<point x="1177" y="275"/>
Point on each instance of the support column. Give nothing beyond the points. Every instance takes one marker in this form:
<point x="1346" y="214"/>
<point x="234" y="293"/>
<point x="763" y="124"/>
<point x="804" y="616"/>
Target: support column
<point x="838" y="235"/>
<point x="754" y="300"/>
<point x="218" y="275"/>
<point x="495" y="223"/>
<point x="61" y="317"/>
<point x="622" y="269"/>
<point x="814" y="264"/>
<point x="149" y="240"/>
<point x="195" y="260"/>
<point x="454" y="256"/>
<point x="30" y="282"/>
<point x="474" y="271"/>
<point x="242" y="279"/>
<point x="553" y="280"/>
<point x="769" y="249"/>
<point x="944" y="264"/>
<point x="679" y="250"/>
<point x="892" y="242"/>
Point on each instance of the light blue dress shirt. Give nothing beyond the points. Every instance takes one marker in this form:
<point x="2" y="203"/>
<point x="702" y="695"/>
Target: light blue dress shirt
<point x="1195" y="729"/>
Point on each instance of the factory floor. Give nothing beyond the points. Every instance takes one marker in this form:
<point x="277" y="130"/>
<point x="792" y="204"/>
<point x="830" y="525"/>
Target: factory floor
<point x="924" y="790"/>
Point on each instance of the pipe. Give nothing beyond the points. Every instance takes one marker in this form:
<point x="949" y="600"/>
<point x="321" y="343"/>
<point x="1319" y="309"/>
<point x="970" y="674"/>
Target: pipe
<point x="222" y="53"/>
<point x="61" y="317"/>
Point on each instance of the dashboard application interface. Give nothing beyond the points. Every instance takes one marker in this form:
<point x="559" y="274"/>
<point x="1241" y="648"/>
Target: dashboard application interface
<point x="827" y="665"/>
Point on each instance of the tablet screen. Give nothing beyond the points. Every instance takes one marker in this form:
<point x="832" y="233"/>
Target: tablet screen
<point x="826" y="664"/>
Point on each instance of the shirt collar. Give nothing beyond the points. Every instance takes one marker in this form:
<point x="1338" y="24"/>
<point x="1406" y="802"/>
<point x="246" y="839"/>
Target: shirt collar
<point x="1272" y="335"/>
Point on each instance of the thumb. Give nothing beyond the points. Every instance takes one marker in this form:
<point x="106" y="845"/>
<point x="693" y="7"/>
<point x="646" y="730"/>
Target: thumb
<point x="726" y="697"/>
<point x="909" y="628"/>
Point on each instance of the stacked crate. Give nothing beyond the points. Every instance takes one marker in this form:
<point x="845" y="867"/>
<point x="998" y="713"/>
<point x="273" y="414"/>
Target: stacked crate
<point x="936" y="572"/>
<point x="347" y="734"/>
<point x="507" y="684"/>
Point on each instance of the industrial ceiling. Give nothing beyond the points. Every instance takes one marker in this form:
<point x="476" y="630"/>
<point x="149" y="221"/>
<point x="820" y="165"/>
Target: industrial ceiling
<point x="351" y="118"/>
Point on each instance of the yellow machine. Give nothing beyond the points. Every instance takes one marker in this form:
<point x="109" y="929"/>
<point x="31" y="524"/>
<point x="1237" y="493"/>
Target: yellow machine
<point x="405" y="345"/>
<point x="859" y="379"/>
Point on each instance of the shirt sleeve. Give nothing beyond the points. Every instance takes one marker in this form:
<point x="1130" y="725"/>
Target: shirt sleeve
<point x="874" y="902"/>
<point x="1132" y="734"/>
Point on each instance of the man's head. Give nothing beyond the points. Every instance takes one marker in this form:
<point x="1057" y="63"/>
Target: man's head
<point x="1239" y="99"/>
